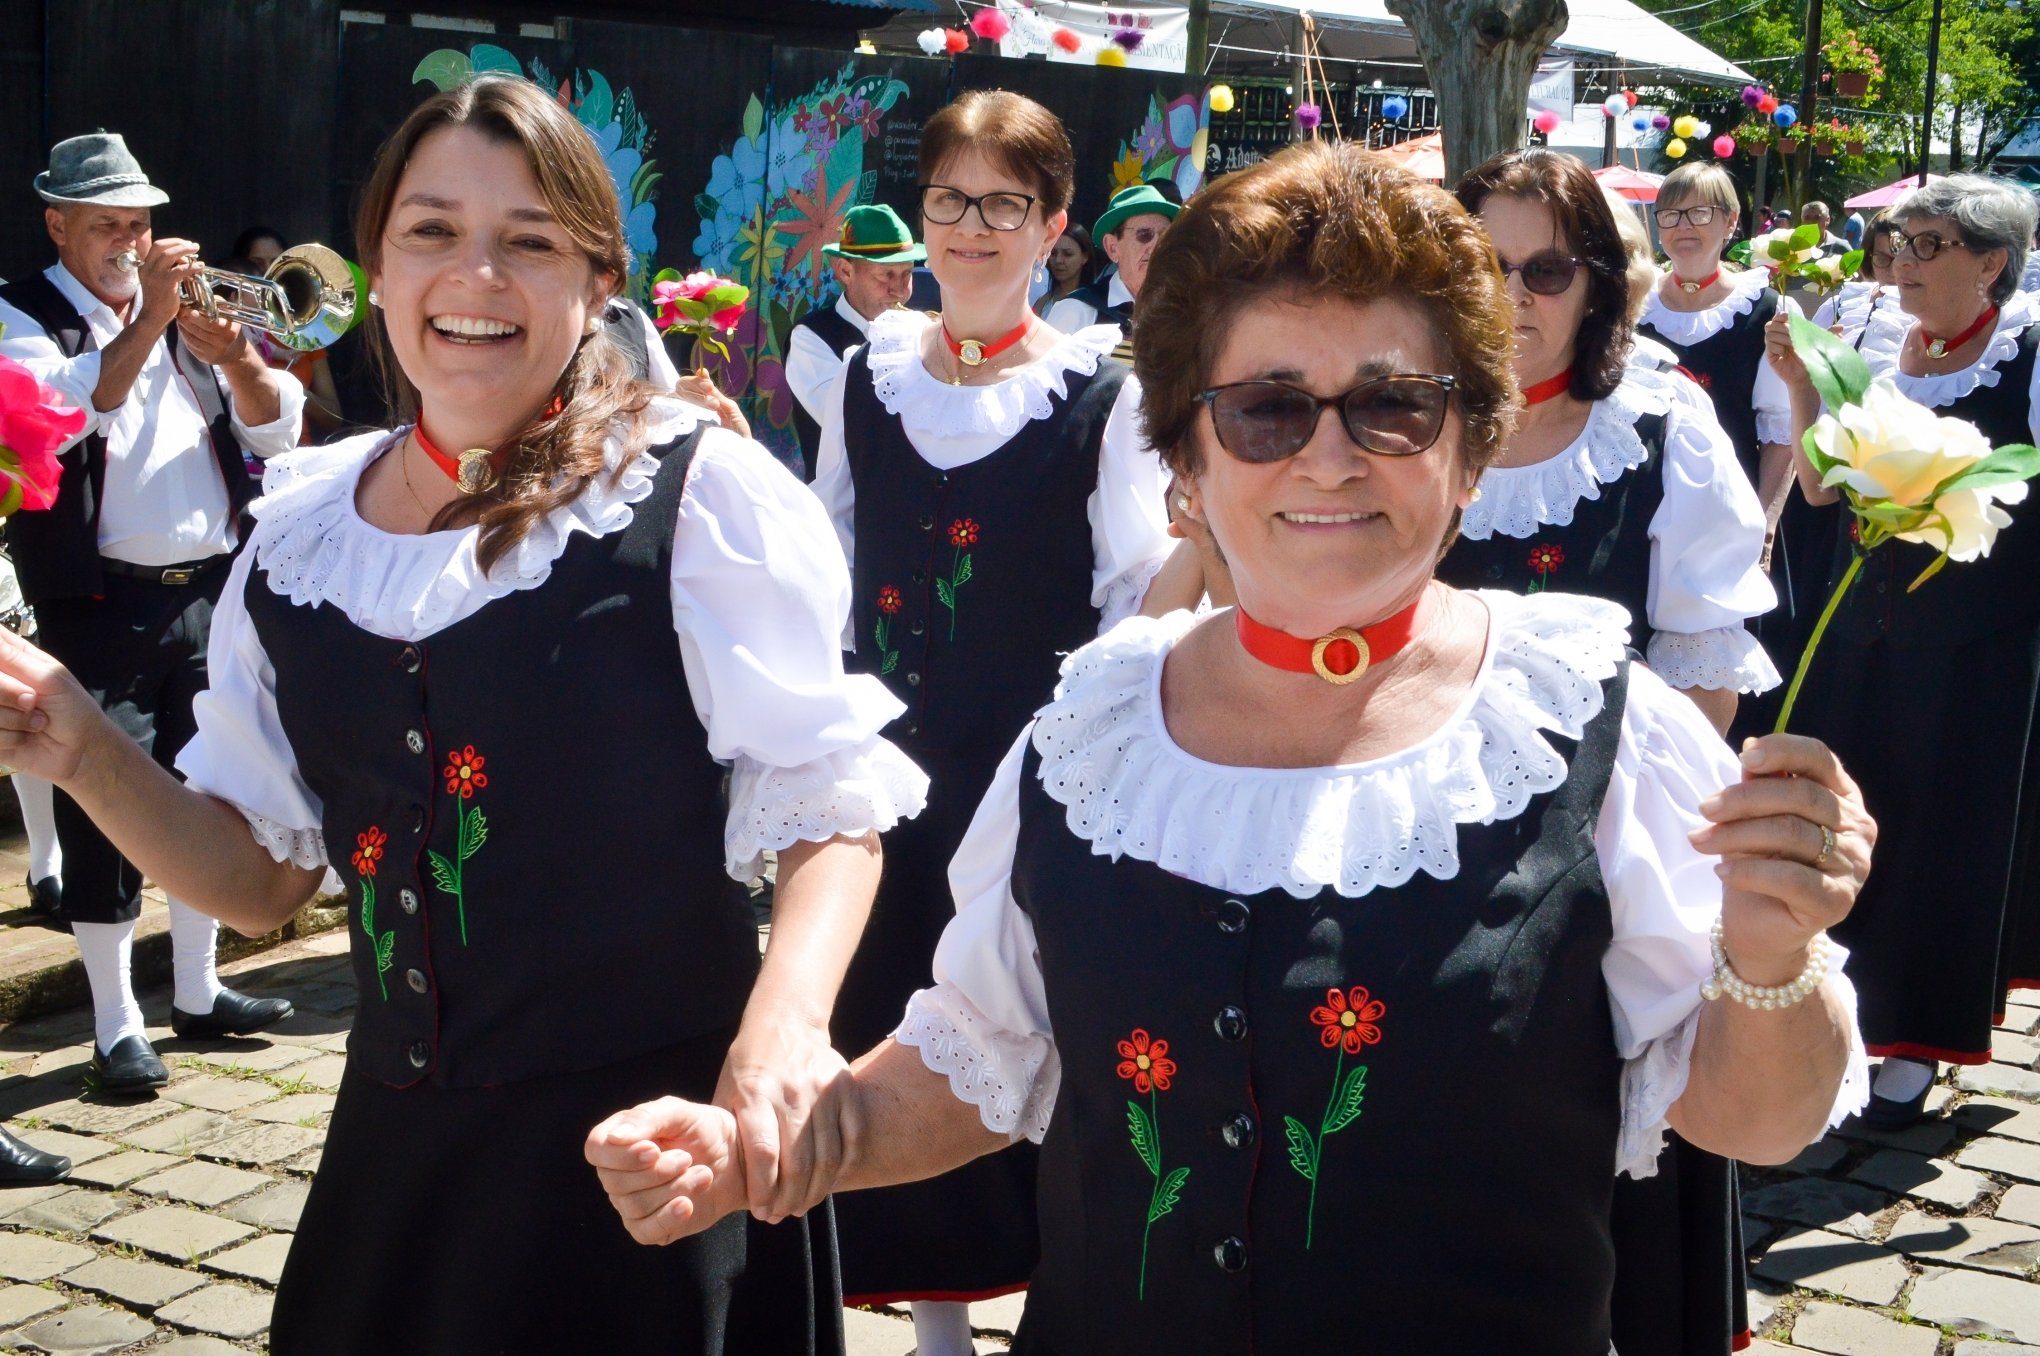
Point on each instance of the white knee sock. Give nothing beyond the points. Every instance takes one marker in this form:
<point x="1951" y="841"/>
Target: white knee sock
<point x="106" y="949"/>
<point x="941" y="1328"/>
<point x="39" y="817"/>
<point x="192" y="938"/>
<point x="1901" y="1079"/>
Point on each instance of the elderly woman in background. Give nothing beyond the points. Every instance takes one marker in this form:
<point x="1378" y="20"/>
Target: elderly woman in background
<point x="1252" y="879"/>
<point x="1930" y="695"/>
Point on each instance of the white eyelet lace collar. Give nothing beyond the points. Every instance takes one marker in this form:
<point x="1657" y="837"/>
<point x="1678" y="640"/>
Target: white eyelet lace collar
<point x="1127" y="787"/>
<point x="1690" y="327"/>
<point x="1003" y="408"/>
<point x="1885" y="338"/>
<point x="1516" y="500"/>
<point x="315" y="548"/>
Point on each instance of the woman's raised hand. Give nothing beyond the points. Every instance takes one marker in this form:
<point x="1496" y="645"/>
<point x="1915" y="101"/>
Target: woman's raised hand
<point x="48" y="723"/>
<point x="671" y="1168"/>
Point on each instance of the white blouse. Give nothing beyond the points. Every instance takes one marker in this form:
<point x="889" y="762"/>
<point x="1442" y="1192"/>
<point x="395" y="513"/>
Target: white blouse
<point x="1772" y="402"/>
<point x="759" y="598"/>
<point x="1887" y="333"/>
<point x="1855" y="304"/>
<point x="952" y="426"/>
<point x="1707" y="536"/>
<point x="1129" y="789"/>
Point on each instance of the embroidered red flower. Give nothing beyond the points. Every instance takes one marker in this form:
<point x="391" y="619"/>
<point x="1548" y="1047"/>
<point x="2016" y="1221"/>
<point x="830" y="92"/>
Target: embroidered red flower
<point x="1349" y="1018"/>
<point x="1146" y="1062"/>
<point x="889" y="600"/>
<point x="368" y="850"/>
<point x="464" y="775"/>
<point x="963" y="532"/>
<point x="1546" y="559"/>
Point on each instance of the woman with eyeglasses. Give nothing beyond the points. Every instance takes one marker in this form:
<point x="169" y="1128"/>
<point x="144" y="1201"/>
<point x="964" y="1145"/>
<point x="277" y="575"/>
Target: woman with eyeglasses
<point x="1618" y="482"/>
<point x="1873" y="294"/>
<point x="1340" y="947"/>
<point x="998" y="505"/>
<point x="1713" y="316"/>
<point x="1931" y="695"/>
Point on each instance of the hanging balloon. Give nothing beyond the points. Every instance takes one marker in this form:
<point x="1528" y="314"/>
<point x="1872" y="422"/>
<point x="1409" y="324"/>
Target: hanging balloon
<point x="1661" y="121"/>
<point x="1752" y="95"/>
<point x="1308" y="116"/>
<point x="1640" y="122"/>
<point x="1614" y="106"/>
<point x="1785" y="115"/>
<point x="1066" y="40"/>
<point x="990" y="25"/>
<point x="1724" y="146"/>
<point x="1108" y="55"/>
<point x="1546" y="121"/>
<point x="1222" y="99"/>
<point x="1395" y="107"/>
<point x="932" y="42"/>
<point x="1675" y="148"/>
<point x="1685" y="125"/>
<point x="1703" y="129"/>
<point x="956" y="39"/>
<point x="1768" y="105"/>
<point x="1629" y="97"/>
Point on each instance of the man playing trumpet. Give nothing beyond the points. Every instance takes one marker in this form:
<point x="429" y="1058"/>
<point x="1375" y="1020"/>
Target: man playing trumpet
<point x="125" y="567"/>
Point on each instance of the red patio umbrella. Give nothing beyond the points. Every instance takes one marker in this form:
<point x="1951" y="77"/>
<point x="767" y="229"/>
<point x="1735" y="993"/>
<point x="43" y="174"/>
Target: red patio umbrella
<point x="1634" y="185"/>
<point x="1423" y="156"/>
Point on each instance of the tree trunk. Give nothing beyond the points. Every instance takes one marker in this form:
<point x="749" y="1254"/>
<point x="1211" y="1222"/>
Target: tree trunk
<point x="1481" y="56"/>
<point x="1955" y="142"/>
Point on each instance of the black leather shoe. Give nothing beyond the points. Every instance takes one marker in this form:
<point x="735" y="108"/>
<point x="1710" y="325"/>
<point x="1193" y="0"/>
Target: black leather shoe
<point x="131" y="1066"/>
<point x="233" y="1014"/>
<point x="46" y="897"/>
<point x="1888" y="1113"/>
<point x="21" y="1162"/>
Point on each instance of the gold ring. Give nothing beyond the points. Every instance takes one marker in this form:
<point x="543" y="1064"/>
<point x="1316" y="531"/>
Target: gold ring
<point x="1324" y="642"/>
<point x="1827" y="845"/>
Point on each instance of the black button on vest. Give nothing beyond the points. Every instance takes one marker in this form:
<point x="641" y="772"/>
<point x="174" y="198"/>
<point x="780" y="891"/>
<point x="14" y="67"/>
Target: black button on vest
<point x="479" y="932"/>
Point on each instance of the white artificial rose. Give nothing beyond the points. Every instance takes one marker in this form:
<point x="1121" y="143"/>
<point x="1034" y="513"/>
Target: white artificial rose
<point x="1761" y="251"/>
<point x="1974" y="519"/>
<point x="1893" y="448"/>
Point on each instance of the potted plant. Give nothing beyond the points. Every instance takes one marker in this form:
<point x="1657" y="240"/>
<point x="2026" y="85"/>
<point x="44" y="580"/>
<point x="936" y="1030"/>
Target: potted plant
<point x="1854" y="64"/>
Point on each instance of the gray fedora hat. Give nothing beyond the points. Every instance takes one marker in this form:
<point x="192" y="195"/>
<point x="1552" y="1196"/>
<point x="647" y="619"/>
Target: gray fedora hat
<point x="97" y="168"/>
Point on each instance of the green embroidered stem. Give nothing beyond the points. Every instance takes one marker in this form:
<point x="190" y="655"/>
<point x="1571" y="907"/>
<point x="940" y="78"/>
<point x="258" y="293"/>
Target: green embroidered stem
<point x="1155" y="1123"/>
<point x="1318" y="1149"/>
<point x="461" y="852"/>
<point x="368" y="926"/>
<point x="1813" y="641"/>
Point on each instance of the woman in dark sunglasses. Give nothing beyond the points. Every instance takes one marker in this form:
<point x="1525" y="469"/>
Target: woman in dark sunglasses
<point x="1873" y="293"/>
<point x="1294" y="931"/>
<point x="998" y="505"/>
<point x="1619" y="482"/>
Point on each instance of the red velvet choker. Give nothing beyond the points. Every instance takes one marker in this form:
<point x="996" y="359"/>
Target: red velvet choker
<point x="973" y="352"/>
<point x="1939" y="348"/>
<point x="1339" y="656"/>
<point x="1689" y="288"/>
<point x="1548" y="389"/>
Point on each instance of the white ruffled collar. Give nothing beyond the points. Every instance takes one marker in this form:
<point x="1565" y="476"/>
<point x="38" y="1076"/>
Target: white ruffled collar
<point x="907" y="388"/>
<point x="1127" y="787"/>
<point x="1690" y="327"/>
<point x="1885" y="337"/>
<point x="314" y="547"/>
<point x="1517" y="500"/>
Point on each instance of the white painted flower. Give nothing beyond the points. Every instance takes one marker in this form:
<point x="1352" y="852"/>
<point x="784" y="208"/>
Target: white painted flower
<point x="1893" y="448"/>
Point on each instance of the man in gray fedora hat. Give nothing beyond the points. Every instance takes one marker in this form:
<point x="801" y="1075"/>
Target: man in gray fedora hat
<point x="124" y="568"/>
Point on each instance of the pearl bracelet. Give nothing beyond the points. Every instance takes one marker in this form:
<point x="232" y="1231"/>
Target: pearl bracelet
<point x="1726" y="983"/>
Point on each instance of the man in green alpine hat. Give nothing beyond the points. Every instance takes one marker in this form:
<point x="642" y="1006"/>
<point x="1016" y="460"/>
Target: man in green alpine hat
<point x="1132" y="224"/>
<point x="874" y="265"/>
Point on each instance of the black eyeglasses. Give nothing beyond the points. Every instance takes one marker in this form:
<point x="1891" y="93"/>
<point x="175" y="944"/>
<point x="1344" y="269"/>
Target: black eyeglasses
<point x="1266" y="421"/>
<point x="945" y="206"/>
<point x="1925" y="245"/>
<point x="1669" y="217"/>
<point x="1545" y="274"/>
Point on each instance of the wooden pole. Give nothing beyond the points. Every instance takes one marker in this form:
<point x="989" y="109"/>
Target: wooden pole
<point x="1933" y="78"/>
<point x="1197" y="37"/>
<point x="1809" y="81"/>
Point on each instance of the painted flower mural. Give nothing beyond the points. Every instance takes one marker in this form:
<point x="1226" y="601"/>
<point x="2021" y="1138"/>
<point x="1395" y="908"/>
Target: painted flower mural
<point x="1169" y="143"/>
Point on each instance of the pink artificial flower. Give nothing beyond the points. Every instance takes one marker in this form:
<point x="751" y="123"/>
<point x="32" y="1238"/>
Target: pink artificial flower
<point x="34" y="423"/>
<point x="726" y="320"/>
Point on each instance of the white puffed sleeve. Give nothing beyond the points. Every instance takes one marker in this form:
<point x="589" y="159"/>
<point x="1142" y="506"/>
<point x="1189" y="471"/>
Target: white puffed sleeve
<point x="240" y="753"/>
<point x="1128" y="512"/>
<point x="1773" y="403"/>
<point x="1663" y="896"/>
<point x="760" y="594"/>
<point x="984" y="1024"/>
<point x="1707" y="578"/>
<point x="279" y="435"/>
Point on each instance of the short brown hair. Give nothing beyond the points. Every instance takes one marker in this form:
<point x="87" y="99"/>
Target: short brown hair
<point x="1327" y="219"/>
<point x="557" y="457"/>
<point x="1014" y="132"/>
<point x="1565" y="185"/>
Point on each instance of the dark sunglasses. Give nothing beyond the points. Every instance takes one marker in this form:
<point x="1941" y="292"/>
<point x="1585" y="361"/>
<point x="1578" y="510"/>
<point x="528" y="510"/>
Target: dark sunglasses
<point x="1266" y="421"/>
<point x="1545" y="274"/>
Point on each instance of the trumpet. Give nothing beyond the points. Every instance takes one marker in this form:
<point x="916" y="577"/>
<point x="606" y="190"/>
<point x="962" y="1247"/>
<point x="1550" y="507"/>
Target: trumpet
<point x="306" y="299"/>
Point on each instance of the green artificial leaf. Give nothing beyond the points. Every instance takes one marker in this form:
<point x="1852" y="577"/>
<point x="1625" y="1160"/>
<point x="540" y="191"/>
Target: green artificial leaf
<point x="725" y="295"/>
<point x="2010" y="463"/>
<point x="1838" y="372"/>
<point x="673" y="274"/>
<point x="1143" y="1131"/>
<point x="1852" y="264"/>
<point x="1739" y="253"/>
<point x="473" y="834"/>
<point x="444" y="69"/>
<point x="11" y="500"/>
<point x="892" y="661"/>
<point x="1165" y="1199"/>
<point x="963" y="571"/>
<point x="488" y="58"/>
<point x="1929" y="572"/>
<point x="385" y="951"/>
<point x="754" y="119"/>
<point x="946" y="594"/>
<point x="442" y="872"/>
<point x="1805" y="237"/>
<point x="1345" y="1108"/>
<point x="1302" y="1152"/>
<point x="1890" y="516"/>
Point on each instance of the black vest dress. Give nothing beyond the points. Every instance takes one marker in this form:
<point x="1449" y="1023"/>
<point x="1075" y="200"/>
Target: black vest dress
<point x="1383" y="1124"/>
<point x="968" y="588"/>
<point x="530" y="826"/>
<point x="1095" y="296"/>
<point x="841" y="336"/>
<point x="1928" y="698"/>
<point x="1679" y="1274"/>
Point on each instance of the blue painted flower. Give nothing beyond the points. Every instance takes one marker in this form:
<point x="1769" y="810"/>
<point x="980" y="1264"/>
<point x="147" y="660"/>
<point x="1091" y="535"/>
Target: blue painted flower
<point x="624" y="162"/>
<point x="788" y="160"/>
<point x="737" y="180"/>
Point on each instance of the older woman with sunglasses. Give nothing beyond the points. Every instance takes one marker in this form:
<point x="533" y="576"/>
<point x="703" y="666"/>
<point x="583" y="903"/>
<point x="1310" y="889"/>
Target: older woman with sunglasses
<point x="1931" y="695"/>
<point x="1618" y="482"/>
<point x="1340" y="947"/>
<point x="998" y="504"/>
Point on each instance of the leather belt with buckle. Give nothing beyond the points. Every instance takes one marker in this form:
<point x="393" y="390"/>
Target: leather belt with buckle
<point x="185" y="573"/>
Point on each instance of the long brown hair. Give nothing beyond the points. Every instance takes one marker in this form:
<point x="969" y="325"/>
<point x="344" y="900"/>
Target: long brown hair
<point x="555" y="459"/>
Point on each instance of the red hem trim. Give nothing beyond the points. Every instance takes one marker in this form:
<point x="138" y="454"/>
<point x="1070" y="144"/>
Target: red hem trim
<point x="1908" y="1050"/>
<point x="930" y="1296"/>
<point x="2023" y="984"/>
<point x="1742" y="1340"/>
